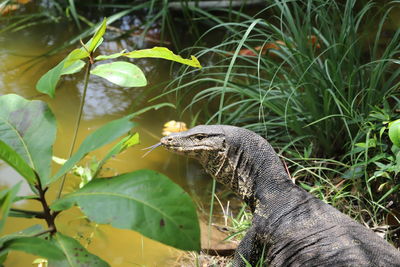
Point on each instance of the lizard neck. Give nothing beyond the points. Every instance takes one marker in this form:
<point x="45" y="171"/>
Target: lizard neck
<point x="251" y="169"/>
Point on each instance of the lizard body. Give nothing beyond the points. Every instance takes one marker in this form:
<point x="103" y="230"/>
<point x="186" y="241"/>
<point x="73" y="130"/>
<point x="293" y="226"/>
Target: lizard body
<point x="290" y="227"/>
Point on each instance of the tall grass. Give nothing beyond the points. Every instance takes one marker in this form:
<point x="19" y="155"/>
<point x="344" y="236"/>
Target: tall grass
<point x="320" y="92"/>
<point x="320" y="69"/>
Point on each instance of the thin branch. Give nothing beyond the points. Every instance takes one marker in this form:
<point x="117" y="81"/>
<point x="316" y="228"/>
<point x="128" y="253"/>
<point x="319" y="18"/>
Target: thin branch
<point x="78" y="121"/>
<point x="48" y="215"/>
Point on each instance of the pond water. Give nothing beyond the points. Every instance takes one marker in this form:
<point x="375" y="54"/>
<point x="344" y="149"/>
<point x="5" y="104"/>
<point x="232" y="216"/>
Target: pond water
<point x="104" y="102"/>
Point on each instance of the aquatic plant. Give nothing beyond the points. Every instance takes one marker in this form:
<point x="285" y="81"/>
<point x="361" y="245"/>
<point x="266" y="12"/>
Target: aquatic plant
<point x="143" y="201"/>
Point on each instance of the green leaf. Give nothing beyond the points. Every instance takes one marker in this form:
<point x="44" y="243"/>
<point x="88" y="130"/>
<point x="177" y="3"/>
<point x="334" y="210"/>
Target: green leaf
<point x="74" y="13"/>
<point x="392" y="190"/>
<point x="381" y="131"/>
<point x="306" y="186"/>
<point x="3" y="259"/>
<point x="73" y="68"/>
<point x="363" y="145"/>
<point x="30" y="197"/>
<point x="24" y="233"/>
<point x="102" y="136"/>
<point x="144" y="201"/>
<point x="35" y="229"/>
<point x="132" y="140"/>
<point x="353" y="172"/>
<point x="98" y="44"/>
<point x="14" y="160"/>
<point x="7" y="197"/>
<point x="394" y="132"/>
<point x="371" y="143"/>
<point x="29" y="128"/>
<point x="48" y="82"/>
<point x="74" y="56"/>
<point x="126" y="142"/>
<point x="112" y="56"/>
<point x="95" y="41"/>
<point x="121" y="73"/>
<point x="24" y="214"/>
<point x="75" y="254"/>
<point x="165" y="53"/>
<point x="70" y="64"/>
<point x="33" y="245"/>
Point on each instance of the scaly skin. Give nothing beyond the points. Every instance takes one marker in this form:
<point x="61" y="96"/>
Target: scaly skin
<point x="290" y="227"/>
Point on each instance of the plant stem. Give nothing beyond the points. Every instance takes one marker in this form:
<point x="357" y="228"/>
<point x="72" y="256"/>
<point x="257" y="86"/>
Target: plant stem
<point x="47" y="214"/>
<point x="78" y="121"/>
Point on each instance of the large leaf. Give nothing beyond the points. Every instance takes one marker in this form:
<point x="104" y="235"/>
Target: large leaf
<point x="394" y="132"/>
<point x="121" y="73"/>
<point x="102" y="136"/>
<point x="165" y="53"/>
<point x="33" y="245"/>
<point x="35" y="229"/>
<point x="75" y="254"/>
<point x="17" y="162"/>
<point x="144" y="201"/>
<point x="29" y="128"/>
<point x="7" y="197"/>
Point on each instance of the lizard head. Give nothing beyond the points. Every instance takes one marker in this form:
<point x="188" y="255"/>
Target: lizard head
<point x="220" y="149"/>
<point x="199" y="142"/>
<point x="234" y="156"/>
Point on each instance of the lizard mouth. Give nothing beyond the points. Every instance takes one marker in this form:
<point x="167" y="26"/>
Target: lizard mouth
<point x="173" y="145"/>
<point x="181" y="150"/>
<point x="169" y="144"/>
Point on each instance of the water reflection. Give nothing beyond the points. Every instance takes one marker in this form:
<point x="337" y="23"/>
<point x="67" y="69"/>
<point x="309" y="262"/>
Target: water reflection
<point x="9" y="177"/>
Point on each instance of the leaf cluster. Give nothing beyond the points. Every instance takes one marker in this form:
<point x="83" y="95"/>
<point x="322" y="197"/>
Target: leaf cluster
<point x="143" y="201"/>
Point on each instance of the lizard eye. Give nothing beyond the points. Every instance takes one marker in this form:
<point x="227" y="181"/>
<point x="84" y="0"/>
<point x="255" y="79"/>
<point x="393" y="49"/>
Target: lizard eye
<point x="199" y="137"/>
